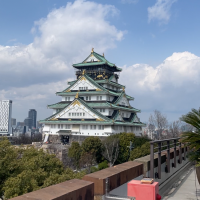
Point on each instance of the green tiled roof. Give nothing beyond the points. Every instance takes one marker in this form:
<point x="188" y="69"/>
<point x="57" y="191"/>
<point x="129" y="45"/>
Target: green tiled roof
<point x="124" y="108"/>
<point x="110" y="82"/>
<point x="61" y="105"/>
<point x="58" y="105"/>
<point x="101" y="59"/>
<point x="129" y="123"/>
<point x="71" y="82"/>
<point x="75" y="122"/>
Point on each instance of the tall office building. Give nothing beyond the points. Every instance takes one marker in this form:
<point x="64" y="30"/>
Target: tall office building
<point x="5" y="117"/>
<point x="28" y="122"/>
<point x="32" y="114"/>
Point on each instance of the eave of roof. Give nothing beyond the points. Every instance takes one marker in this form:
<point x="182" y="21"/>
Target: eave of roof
<point x="101" y="59"/>
<point x="74" y="122"/>
<point x="61" y="105"/>
<point x="110" y="82"/>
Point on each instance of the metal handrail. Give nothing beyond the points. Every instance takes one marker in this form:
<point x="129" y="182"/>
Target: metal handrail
<point x="159" y="142"/>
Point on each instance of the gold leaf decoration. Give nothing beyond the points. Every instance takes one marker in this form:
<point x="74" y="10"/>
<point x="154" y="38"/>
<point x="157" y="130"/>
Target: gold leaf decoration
<point x="99" y="119"/>
<point x="76" y="103"/>
<point x="83" y="78"/>
<point x="54" y="119"/>
<point x="76" y="95"/>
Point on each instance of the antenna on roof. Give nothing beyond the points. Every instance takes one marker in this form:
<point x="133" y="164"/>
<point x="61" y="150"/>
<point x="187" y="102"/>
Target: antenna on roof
<point x="103" y="55"/>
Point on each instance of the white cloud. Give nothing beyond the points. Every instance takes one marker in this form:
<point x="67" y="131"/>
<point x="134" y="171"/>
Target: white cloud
<point x="64" y="37"/>
<point x="170" y="87"/>
<point x="160" y="11"/>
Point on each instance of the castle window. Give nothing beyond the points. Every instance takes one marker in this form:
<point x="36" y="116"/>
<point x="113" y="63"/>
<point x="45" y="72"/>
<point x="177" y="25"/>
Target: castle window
<point x="67" y="126"/>
<point x="68" y="98"/>
<point x="80" y="114"/>
<point x="58" y="125"/>
<point x="86" y="98"/>
<point x="77" y="114"/>
<point x="83" y="114"/>
<point x="69" y="114"/>
<point x="61" y="126"/>
<point x="94" y="127"/>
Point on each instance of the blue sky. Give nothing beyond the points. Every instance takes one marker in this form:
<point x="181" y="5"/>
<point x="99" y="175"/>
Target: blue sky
<point x="156" y="42"/>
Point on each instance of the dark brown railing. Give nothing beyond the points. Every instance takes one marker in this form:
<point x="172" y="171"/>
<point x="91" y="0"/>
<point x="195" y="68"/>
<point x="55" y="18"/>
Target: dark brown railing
<point x="170" y="142"/>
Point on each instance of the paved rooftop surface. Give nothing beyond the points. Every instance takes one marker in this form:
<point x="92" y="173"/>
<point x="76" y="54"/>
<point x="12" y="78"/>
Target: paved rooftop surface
<point x="187" y="190"/>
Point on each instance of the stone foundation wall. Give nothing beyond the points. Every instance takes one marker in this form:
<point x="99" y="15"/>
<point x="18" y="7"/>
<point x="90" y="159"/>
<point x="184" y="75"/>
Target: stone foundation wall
<point x="72" y="138"/>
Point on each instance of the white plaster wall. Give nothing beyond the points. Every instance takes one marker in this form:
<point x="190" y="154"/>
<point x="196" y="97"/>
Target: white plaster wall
<point x="71" y="98"/>
<point x="82" y="131"/>
<point x="126" y="113"/>
<point x="124" y="101"/>
<point x="83" y="83"/>
<point x="78" y="110"/>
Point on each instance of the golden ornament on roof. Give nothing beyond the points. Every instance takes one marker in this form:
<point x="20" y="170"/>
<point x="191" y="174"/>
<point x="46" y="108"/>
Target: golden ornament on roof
<point x="92" y="50"/>
<point x="83" y="73"/>
<point x="76" y="95"/>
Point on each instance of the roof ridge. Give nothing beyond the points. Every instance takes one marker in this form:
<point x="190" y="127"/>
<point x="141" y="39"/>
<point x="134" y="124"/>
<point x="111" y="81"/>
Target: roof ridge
<point x="93" y="110"/>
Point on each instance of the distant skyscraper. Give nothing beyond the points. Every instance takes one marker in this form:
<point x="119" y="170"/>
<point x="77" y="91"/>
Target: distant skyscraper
<point x="32" y="114"/>
<point x="13" y="121"/>
<point x="5" y="117"/>
<point x="28" y="122"/>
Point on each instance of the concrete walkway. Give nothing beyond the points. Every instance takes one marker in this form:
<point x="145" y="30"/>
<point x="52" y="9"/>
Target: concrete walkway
<point x="186" y="190"/>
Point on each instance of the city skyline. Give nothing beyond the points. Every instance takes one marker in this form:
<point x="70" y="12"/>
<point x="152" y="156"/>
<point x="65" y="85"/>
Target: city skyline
<point x="155" y="42"/>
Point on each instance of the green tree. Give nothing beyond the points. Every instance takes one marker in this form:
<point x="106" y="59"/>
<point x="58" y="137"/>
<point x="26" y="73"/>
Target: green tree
<point x="74" y="152"/>
<point x="25" y="169"/>
<point x="124" y="142"/>
<point x="192" y="138"/>
<point x="139" y="152"/>
<point x="92" y="145"/>
<point x="103" y="165"/>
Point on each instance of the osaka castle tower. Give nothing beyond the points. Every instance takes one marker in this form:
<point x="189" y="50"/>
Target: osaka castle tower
<point x="94" y="104"/>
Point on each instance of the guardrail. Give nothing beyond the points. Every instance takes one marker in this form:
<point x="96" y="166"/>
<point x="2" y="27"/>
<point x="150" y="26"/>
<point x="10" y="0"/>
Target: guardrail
<point x="160" y="146"/>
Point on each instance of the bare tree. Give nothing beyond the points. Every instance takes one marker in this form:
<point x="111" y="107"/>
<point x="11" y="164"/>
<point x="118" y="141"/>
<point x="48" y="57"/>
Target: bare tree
<point x="159" y="121"/>
<point x="110" y="149"/>
<point x="175" y="128"/>
<point x="87" y="160"/>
